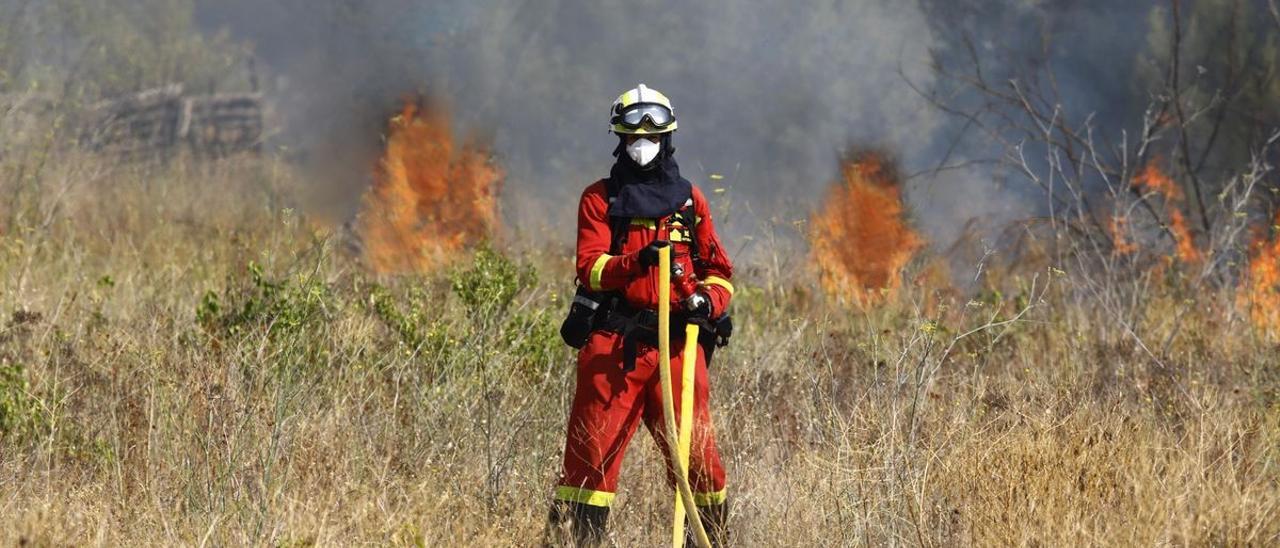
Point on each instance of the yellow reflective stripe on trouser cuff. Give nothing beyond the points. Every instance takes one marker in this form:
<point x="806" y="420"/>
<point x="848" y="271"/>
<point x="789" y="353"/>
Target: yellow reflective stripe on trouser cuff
<point x="593" y="498"/>
<point x="597" y="270"/>
<point x="710" y="499"/>
<point x="716" y="280"/>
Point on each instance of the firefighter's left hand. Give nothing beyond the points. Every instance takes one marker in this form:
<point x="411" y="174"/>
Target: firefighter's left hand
<point x="698" y="305"/>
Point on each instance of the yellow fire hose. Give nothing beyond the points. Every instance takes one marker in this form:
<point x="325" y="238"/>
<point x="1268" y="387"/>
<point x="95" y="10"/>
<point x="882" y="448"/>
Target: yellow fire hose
<point x="688" y="378"/>
<point x="679" y="456"/>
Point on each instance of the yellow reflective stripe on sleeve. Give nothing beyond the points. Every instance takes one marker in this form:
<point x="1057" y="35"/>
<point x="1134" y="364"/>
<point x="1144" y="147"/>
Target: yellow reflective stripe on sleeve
<point x="596" y="498"/>
<point x="647" y="223"/>
<point x="597" y="270"/>
<point x="716" y="280"/>
<point x="710" y="499"/>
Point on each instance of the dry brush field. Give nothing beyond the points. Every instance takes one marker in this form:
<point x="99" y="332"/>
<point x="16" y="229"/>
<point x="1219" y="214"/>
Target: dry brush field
<point x="184" y="359"/>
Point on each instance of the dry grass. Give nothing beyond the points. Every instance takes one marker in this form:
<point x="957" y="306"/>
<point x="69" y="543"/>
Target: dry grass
<point x="319" y="404"/>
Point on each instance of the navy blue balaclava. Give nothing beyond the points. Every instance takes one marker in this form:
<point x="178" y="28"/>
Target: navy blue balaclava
<point x="650" y="192"/>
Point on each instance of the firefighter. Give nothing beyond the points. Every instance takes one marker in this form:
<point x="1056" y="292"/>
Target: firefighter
<point x="644" y="205"/>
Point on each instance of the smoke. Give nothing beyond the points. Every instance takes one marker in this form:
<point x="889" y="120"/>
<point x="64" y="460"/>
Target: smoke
<point x="768" y="93"/>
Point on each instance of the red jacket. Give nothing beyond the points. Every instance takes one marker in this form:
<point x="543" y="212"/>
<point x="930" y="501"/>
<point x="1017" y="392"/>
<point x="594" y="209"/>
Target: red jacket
<point x="600" y="271"/>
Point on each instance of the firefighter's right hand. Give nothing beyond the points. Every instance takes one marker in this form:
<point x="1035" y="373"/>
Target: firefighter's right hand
<point x="649" y="255"/>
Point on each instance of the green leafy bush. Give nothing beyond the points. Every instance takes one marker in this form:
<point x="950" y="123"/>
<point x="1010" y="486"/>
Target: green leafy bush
<point x="419" y="328"/>
<point x="533" y="337"/>
<point x="280" y="307"/>
<point x="492" y="281"/>
<point x="21" y="414"/>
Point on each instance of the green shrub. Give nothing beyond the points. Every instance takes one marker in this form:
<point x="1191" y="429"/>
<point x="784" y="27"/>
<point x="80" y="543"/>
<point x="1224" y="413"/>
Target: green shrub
<point x="492" y="281"/>
<point x="280" y="307"/>
<point x="419" y="326"/>
<point x="21" y="414"/>
<point x="533" y="338"/>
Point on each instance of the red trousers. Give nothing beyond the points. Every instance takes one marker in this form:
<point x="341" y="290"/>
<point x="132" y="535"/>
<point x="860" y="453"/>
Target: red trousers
<point x="609" y="404"/>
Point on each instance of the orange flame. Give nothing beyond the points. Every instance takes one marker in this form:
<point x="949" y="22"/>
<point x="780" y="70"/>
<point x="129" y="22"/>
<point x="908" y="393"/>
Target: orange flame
<point x="1120" y="236"/>
<point x="1260" y="292"/>
<point x="1154" y="180"/>
<point x="1186" y="247"/>
<point x="430" y="198"/>
<point x="1151" y="179"/>
<point x="860" y="239"/>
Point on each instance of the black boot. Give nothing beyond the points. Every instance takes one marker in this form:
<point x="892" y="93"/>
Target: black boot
<point x="715" y="519"/>
<point x="583" y="524"/>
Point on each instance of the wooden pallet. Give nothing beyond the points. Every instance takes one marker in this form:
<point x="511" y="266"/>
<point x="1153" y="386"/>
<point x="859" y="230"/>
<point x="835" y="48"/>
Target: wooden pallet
<point x="159" y="123"/>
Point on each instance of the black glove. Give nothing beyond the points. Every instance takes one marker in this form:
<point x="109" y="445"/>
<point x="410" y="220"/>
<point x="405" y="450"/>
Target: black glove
<point x="698" y="305"/>
<point x="649" y="255"/>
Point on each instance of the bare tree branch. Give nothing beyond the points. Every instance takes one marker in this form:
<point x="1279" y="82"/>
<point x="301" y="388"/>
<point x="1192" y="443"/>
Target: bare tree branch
<point x="1184" y="138"/>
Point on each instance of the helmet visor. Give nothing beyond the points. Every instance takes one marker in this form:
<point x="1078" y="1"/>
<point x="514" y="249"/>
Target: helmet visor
<point x="634" y="116"/>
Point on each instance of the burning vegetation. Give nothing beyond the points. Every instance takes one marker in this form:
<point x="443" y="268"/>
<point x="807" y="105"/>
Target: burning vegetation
<point x="431" y="197"/>
<point x="1120" y="241"/>
<point x="1152" y="180"/>
<point x="860" y="239"/>
<point x="1259" y="293"/>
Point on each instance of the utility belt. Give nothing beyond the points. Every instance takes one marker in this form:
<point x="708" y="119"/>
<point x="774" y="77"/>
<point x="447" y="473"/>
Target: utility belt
<point x="609" y="311"/>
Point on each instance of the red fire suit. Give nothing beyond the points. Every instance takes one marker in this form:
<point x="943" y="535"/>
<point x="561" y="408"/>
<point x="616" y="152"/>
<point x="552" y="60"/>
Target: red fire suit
<point x="610" y="402"/>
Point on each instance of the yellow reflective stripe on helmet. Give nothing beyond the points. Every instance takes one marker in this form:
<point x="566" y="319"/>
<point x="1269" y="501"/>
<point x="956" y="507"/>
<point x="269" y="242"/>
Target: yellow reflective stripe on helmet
<point x="643" y="94"/>
<point x="592" y="498"/>
<point x="597" y="270"/>
<point x="716" y="280"/>
<point x="654" y="96"/>
<point x="710" y="499"/>
<point x="629" y="98"/>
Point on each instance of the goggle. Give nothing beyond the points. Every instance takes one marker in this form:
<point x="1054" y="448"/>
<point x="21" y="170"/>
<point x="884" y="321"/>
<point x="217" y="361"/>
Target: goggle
<point x="635" y="115"/>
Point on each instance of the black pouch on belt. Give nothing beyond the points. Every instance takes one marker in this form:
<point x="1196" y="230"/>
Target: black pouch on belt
<point x="587" y="305"/>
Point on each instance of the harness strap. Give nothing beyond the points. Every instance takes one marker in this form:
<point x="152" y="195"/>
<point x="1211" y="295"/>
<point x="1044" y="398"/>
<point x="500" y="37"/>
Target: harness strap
<point x="689" y="219"/>
<point x="641" y="325"/>
<point x="617" y="225"/>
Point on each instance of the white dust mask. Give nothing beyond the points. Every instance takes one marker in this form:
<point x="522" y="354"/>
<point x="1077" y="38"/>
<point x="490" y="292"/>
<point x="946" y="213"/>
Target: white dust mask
<point x="643" y="151"/>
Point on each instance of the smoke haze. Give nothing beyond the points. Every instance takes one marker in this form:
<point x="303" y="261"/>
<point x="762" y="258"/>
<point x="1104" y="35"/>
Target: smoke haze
<point x="769" y="93"/>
